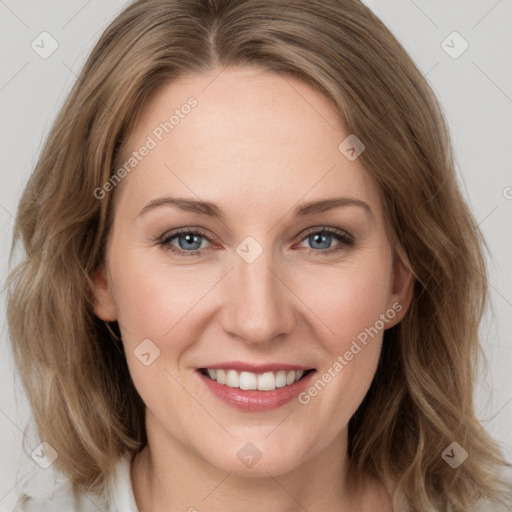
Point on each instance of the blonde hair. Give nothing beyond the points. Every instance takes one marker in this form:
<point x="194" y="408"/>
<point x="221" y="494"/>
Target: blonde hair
<point x="75" y="373"/>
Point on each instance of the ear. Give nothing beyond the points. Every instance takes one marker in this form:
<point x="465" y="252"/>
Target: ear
<point x="401" y="286"/>
<point x="104" y="305"/>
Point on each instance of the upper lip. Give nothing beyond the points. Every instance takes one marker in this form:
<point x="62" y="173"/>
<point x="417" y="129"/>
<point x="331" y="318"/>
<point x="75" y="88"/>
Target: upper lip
<point x="255" y="368"/>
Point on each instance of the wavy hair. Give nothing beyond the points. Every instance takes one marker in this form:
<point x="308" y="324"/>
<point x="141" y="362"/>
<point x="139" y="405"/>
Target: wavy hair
<point x="421" y="399"/>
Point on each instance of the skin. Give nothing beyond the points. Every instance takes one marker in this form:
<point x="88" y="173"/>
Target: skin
<point x="256" y="145"/>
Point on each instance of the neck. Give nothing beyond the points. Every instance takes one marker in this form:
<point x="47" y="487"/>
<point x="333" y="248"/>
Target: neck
<point x="167" y="475"/>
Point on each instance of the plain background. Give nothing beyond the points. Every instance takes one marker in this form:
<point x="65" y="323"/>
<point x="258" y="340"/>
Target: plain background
<point x="475" y="90"/>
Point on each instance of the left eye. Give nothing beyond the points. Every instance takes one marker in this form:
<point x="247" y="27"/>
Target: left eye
<point x="190" y="242"/>
<point x="324" y="237"/>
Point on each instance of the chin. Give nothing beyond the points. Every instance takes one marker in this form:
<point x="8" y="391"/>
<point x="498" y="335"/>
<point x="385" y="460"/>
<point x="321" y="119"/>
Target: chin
<point x="257" y="458"/>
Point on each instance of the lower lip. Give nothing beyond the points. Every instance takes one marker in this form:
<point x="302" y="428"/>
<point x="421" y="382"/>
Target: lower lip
<point x="254" y="400"/>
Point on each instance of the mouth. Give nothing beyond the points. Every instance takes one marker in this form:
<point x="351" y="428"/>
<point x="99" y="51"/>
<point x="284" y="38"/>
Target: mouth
<point x="251" y="381"/>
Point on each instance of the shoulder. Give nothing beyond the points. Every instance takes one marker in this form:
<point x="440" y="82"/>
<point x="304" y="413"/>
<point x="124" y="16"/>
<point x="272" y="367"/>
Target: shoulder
<point x="60" y="497"/>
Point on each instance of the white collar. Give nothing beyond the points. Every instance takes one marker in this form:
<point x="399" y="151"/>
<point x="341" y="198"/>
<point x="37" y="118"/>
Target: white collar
<point x="122" y="498"/>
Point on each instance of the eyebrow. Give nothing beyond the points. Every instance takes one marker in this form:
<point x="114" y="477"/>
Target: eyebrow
<point x="212" y="210"/>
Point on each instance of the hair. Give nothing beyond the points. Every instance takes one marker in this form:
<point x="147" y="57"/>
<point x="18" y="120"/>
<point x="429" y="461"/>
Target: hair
<point x="421" y="399"/>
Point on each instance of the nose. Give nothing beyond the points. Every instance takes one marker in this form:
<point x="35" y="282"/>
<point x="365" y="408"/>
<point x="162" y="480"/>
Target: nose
<point x="257" y="306"/>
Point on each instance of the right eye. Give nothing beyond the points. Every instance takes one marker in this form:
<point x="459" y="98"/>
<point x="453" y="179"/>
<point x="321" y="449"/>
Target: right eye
<point x="187" y="239"/>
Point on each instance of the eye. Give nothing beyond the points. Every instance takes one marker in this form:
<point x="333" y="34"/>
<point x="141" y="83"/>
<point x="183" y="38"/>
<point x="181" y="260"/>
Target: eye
<point x="321" y="240"/>
<point x="189" y="242"/>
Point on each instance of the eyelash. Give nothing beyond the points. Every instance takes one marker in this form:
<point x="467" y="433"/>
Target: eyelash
<point x="343" y="237"/>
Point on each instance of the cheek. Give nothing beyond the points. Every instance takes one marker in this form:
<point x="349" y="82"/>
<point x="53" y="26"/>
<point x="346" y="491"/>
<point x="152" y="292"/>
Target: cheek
<point x="349" y="303"/>
<point x="152" y="295"/>
<point x="347" y="299"/>
<point x="157" y="321"/>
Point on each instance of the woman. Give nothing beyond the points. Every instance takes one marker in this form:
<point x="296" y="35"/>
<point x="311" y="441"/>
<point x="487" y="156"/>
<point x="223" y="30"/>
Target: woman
<point x="215" y="357"/>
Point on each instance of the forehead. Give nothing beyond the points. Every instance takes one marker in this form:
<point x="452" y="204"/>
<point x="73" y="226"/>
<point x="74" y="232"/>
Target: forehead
<point x="252" y="139"/>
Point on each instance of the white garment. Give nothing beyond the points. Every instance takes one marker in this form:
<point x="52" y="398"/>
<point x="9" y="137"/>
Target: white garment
<point x="61" y="499"/>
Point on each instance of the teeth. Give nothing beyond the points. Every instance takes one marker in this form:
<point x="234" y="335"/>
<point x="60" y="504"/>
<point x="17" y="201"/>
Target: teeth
<point x="232" y="379"/>
<point x="267" y="381"/>
<point x="248" y="380"/>
<point x="221" y="377"/>
<point x="280" y="379"/>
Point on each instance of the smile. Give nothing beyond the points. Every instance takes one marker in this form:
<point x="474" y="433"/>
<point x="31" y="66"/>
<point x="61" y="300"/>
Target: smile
<point x="266" y="387"/>
<point x="267" y="381"/>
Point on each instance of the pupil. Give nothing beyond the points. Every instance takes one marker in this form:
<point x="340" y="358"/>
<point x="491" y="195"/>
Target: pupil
<point x="189" y="240"/>
<point x="318" y="239"/>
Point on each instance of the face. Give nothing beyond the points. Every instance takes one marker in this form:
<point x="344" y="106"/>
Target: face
<point x="274" y="266"/>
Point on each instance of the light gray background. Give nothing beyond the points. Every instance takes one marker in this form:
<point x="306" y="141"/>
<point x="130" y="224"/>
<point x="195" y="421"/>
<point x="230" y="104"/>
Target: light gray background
<point x="475" y="90"/>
